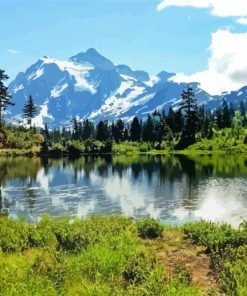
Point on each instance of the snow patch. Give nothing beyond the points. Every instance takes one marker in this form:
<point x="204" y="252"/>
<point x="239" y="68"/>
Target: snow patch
<point x="17" y="88"/>
<point x="78" y="72"/>
<point x="38" y="121"/>
<point x="56" y="91"/>
<point x="153" y="80"/>
<point x="36" y="75"/>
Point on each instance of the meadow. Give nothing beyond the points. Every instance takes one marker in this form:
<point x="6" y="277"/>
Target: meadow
<point x="115" y="255"/>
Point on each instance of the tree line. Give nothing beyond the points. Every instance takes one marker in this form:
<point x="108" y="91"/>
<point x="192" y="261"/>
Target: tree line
<point x="180" y="125"/>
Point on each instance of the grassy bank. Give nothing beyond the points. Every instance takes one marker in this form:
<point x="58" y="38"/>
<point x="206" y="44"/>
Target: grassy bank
<point x="116" y="256"/>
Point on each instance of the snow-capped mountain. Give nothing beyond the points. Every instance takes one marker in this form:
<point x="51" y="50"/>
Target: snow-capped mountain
<point x="89" y="85"/>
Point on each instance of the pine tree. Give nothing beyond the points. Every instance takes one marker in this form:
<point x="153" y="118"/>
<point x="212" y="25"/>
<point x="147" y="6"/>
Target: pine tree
<point x="135" y="130"/>
<point x="170" y="119"/>
<point x="29" y="111"/>
<point x="102" y="131"/>
<point x="231" y="110"/>
<point x="243" y="112"/>
<point x="4" y="95"/>
<point x="189" y="107"/>
<point x="46" y="132"/>
<point x="75" y="126"/>
<point x="148" y="130"/>
<point x="162" y="131"/>
<point x="178" y="121"/>
<point x="226" y="118"/>
<point x="88" y="129"/>
<point x="118" y="131"/>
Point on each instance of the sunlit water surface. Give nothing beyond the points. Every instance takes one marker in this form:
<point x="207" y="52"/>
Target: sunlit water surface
<point x="173" y="189"/>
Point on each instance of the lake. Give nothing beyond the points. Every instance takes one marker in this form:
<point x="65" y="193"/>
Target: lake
<point x="174" y="189"/>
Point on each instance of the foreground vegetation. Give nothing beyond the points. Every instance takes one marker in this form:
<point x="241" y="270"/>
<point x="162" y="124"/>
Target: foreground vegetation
<point x="114" y="255"/>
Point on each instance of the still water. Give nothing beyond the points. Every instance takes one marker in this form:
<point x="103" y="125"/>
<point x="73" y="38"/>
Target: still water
<point x="174" y="189"/>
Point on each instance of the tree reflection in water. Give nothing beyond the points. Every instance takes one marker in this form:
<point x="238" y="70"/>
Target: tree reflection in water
<point x="113" y="184"/>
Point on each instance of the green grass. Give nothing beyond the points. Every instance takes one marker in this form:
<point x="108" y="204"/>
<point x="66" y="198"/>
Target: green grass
<point x="114" y="255"/>
<point x="96" y="256"/>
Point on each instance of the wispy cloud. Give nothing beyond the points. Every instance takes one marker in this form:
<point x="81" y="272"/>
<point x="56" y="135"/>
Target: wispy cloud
<point x="13" y="51"/>
<point x="220" y="8"/>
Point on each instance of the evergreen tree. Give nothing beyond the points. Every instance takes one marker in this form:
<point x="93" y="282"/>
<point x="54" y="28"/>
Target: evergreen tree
<point x="118" y="131"/>
<point x="135" y="130"/>
<point x="243" y="112"/>
<point x="178" y="121"/>
<point x="4" y="95"/>
<point x="46" y="132"/>
<point x="189" y="107"/>
<point x="102" y="131"/>
<point x="126" y="133"/>
<point x="75" y="126"/>
<point x="162" y="131"/>
<point x="219" y="119"/>
<point x="231" y="111"/>
<point x="80" y="130"/>
<point x="226" y="118"/>
<point x="170" y="119"/>
<point x="29" y="111"/>
<point x="88" y="129"/>
<point x="148" y="130"/>
<point x="242" y="109"/>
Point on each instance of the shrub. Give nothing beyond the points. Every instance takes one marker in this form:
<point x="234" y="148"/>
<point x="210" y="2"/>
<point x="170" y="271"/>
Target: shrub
<point x="138" y="267"/>
<point x="144" y="147"/>
<point x="14" y="235"/>
<point x="149" y="228"/>
<point x="75" y="148"/>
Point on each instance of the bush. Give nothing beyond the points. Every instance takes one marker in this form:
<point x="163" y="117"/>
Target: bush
<point x="138" y="267"/>
<point x="75" y="148"/>
<point x="14" y="235"/>
<point x="144" y="147"/>
<point x="149" y="228"/>
<point x="57" y="150"/>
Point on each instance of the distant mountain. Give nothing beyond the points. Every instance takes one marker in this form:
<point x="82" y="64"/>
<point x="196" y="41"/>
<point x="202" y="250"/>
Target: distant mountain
<point x="89" y="85"/>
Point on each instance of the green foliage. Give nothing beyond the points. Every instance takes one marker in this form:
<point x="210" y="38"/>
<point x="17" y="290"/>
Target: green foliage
<point x="226" y="140"/>
<point x="75" y="148"/>
<point x="228" y="249"/>
<point x="93" y="256"/>
<point x="19" y="138"/>
<point x="14" y="235"/>
<point x="149" y="228"/>
<point x="144" y="147"/>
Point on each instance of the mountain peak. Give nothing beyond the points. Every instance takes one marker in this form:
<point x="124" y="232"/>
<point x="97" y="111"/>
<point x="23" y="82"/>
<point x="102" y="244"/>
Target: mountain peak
<point x="92" y="57"/>
<point x="92" y="51"/>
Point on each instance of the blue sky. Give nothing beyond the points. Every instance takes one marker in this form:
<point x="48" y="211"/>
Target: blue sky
<point x="133" y="32"/>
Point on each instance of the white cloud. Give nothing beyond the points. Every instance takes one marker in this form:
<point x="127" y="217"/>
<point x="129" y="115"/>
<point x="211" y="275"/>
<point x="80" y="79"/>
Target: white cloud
<point x="13" y="51"/>
<point x="242" y="20"/>
<point x="227" y="66"/>
<point x="220" y="8"/>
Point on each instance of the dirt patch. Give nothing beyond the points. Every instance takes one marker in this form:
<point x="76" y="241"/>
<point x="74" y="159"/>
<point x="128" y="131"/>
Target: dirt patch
<point x="175" y="250"/>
